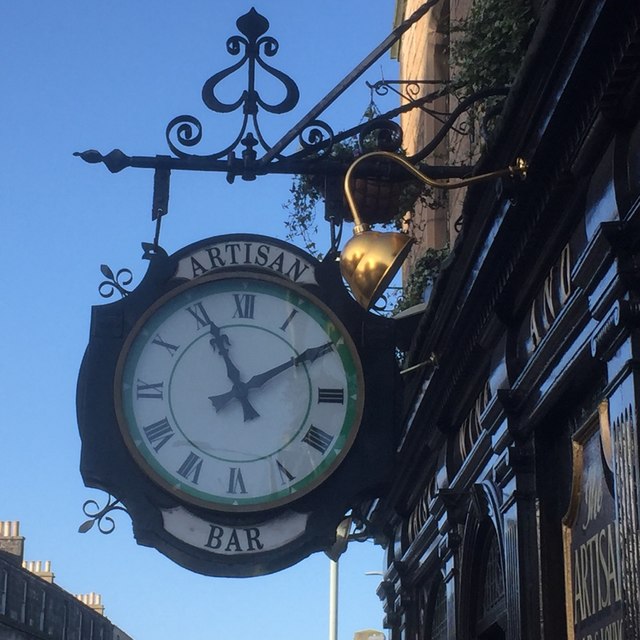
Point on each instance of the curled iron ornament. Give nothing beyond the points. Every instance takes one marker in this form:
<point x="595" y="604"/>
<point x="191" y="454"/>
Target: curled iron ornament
<point x="388" y="301"/>
<point x="317" y="134"/>
<point x="382" y="134"/>
<point x="98" y="515"/>
<point x="185" y="132"/>
<point x="114" y="282"/>
<point x="412" y="87"/>
<point x="449" y="123"/>
<point x="253" y="26"/>
<point x="242" y="157"/>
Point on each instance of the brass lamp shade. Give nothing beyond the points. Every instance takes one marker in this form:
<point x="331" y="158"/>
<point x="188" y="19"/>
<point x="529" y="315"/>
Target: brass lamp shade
<point x="370" y="260"/>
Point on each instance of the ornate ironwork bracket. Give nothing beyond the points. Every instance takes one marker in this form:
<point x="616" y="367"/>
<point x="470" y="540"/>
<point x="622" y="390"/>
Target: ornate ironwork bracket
<point x="250" y="155"/>
<point x="114" y="282"/>
<point x="240" y="157"/>
<point x="100" y="516"/>
<point x="185" y="132"/>
<point x="411" y="90"/>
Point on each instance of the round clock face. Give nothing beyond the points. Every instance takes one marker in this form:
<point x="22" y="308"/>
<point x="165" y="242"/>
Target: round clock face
<point x="239" y="392"/>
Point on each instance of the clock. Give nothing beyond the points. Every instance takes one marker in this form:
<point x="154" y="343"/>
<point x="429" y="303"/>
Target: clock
<point x="238" y="392"/>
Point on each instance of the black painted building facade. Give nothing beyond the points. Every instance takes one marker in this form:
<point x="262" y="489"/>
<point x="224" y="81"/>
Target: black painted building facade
<point x="517" y="511"/>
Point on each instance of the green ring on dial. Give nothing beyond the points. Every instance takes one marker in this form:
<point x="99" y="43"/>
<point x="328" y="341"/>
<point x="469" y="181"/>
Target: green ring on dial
<point x="191" y="292"/>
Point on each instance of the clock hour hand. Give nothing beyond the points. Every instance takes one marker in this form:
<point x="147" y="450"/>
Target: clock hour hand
<point x="308" y="355"/>
<point x="220" y="342"/>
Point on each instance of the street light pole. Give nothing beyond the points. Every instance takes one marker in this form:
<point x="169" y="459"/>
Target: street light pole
<point x="333" y="599"/>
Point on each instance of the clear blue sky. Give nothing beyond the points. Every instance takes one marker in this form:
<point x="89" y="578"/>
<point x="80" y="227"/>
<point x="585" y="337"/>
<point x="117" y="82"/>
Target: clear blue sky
<point x="82" y="74"/>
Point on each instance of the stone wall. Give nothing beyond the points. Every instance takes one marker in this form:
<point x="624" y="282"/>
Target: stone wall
<point x="423" y="54"/>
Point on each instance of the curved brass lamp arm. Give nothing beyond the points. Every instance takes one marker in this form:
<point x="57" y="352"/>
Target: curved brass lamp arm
<point x="519" y="169"/>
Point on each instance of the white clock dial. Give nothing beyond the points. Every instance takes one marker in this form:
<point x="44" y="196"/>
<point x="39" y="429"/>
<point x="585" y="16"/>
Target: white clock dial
<point x="239" y="392"/>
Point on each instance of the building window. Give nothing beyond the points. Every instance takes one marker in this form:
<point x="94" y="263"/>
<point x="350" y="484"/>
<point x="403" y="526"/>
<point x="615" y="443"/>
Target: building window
<point x="3" y="591"/>
<point x="439" y="617"/>
<point x="43" y="609"/>
<point x="22" y="617"/>
<point x="491" y="604"/>
<point x="493" y="580"/>
<point x="432" y="612"/>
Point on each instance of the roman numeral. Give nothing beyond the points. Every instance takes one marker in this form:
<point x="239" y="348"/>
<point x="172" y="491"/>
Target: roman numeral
<point x="236" y="481"/>
<point x="285" y="476"/>
<point x="171" y="348"/>
<point x="200" y="314"/>
<point x="331" y="395"/>
<point x="190" y="468"/>
<point x="153" y="390"/>
<point x="318" y="439"/>
<point x="245" y="305"/>
<point x="285" y="324"/>
<point x="158" y="434"/>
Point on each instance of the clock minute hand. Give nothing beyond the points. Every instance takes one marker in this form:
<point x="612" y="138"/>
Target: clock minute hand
<point x="313" y="353"/>
<point x="220" y="341"/>
<point x="308" y="355"/>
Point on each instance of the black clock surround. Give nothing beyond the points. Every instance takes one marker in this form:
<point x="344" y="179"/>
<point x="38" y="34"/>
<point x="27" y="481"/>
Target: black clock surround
<point x="203" y="536"/>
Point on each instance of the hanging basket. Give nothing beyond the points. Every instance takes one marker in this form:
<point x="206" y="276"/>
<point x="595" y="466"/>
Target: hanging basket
<point x="378" y="199"/>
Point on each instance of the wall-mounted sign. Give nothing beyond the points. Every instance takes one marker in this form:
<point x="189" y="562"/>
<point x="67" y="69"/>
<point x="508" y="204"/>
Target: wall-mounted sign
<point x="592" y="568"/>
<point x="238" y="251"/>
<point x="237" y="403"/>
<point x="215" y="537"/>
<point x="546" y="308"/>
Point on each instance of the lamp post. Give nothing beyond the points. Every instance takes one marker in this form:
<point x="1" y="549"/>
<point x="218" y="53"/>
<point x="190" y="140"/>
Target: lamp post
<point x="337" y="549"/>
<point x="334" y="574"/>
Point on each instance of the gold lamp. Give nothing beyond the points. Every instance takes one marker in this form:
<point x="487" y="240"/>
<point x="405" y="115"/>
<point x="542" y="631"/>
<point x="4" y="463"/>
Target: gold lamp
<point x="371" y="259"/>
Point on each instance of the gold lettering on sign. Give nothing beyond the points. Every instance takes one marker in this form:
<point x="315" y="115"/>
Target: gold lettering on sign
<point x="612" y="631"/>
<point x="593" y="496"/>
<point x="546" y="306"/>
<point x="596" y="578"/>
<point x="590" y="529"/>
<point x="471" y="426"/>
<point x="565" y="275"/>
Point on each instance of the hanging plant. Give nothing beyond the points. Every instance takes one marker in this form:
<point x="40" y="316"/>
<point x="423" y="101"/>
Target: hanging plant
<point x="487" y="48"/>
<point x="375" y="196"/>
<point x="424" y="274"/>
<point x="308" y="191"/>
<point x="492" y="41"/>
<point x="301" y="220"/>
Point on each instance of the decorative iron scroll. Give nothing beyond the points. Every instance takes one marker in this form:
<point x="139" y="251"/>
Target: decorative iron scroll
<point x="186" y="131"/>
<point x="100" y="516"/>
<point x="252" y="47"/>
<point x="412" y="88"/>
<point x="410" y="91"/>
<point x="253" y="26"/>
<point x="114" y="282"/>
<point x="250" y="155"/>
